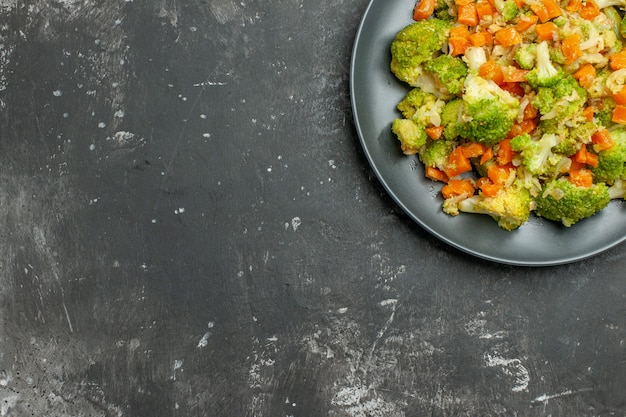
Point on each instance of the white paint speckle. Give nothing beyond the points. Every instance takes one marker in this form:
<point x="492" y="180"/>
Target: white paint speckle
<point x="295" y="223"/>
<point x="102" y="125"/>
<point x="204" y="341"/>
<point x="511" y="367"/>
<point x="57" y="93"/>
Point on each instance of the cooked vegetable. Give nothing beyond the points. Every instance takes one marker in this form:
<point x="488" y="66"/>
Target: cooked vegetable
<point x="517" y="107"/>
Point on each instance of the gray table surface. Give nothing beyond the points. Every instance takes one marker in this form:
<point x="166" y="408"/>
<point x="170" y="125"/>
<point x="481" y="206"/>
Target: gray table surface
<point x="190" y="228"/>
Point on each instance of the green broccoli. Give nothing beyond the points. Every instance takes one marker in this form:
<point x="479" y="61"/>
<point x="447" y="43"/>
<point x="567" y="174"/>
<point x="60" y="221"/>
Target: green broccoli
<point x="612" y="161"/>
<point x="488" y="111"/>
<point x="560" y="104"/>
<point x="544" y="74"/>
<point x="507" y="9"/>
<point x="510" y="207"/>
<point x="525" y="56"/>
<point x="416" y="44"/>
<point x="436" y="153"/>
<point x="451" y="72"/>
<point x="562" y="201"/>
<point x="571" y="138"/>
<point x="451" y="119"/>
<point x="537" y="155"/>
<point x="415" y="103"/>
<point x="411" y="135"/>
<point x="603" y="111"/>
<point x="442" y="10"/>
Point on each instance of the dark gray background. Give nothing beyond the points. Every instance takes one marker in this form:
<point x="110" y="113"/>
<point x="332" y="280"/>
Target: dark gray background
<point x="190" y="228"/>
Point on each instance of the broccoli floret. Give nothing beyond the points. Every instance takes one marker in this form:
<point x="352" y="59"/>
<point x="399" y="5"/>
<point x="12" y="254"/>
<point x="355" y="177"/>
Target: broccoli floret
<point x="603" y="111"/>
<point x="557" y="56"/>
<point x="411" y="135"/>
<point x="570" y="139"/>
<point x="451" y="72"/>
<point x="612" y="161"/>
<point x="451" y="119"/>
<point x="561" y="200"/>
<point x="436" y="153"/>
<point x="416" y="44"/>
<point x="526" y="55"/>
<point x="545" y="74"/>
<point x="544" y="100"/>
<point x="537" y="155"/>
<point x="488" y="111"/>
<point x="510" y="207"/>
<point x="563" y="102"/>
<point x="507" y="9"/>
<point x="442" y="10"/>
<point x="414" y="102"/>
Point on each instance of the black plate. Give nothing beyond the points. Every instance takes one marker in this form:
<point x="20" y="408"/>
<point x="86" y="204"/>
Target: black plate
<point x="375" y="93"/>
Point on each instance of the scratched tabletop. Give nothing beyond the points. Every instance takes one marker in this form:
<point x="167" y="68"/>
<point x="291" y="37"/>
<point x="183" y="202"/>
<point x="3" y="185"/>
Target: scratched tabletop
<point x="190" y="227"/>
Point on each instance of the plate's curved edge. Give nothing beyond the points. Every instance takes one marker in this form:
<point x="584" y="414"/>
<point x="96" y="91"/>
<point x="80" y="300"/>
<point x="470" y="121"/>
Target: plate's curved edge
<point x="563" y="260"/>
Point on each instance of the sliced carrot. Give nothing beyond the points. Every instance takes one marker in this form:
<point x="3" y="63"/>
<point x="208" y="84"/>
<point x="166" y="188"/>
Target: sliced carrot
<point x="583" y="156"/>
<point x="489" y="189"/>
<point x="571" y="48"/>
<point x="436" y="174"/>
<point x="488" y="155"/>
<point x="513" y="74"/>
<point x="576" y="165"/>
<point x="481" y="38"/>
<point x="618" y="60"/>
<point x="546" y="31"/>
<point x="586" y="75"/>
<point x="459" y="40"/>
<point x="602" y="140"/>
<point x="458" y="46"/>
<point x="588" y="113"/>
<point x="491" y="70"/>
<point x="525" y="126"/>
<point x="458" y="3"/>
<point x="457" y="163"/>
<point x="460" y="31"/>
<point x="574" y="6"/>
<point x="434" y="132"/>
<point x="473" y="149"/>
<point x="467" y="14"/>
<point x="530" y="112"/>
<point x="589" y="10"/>
<point x="484" y="9"/>
<point x="514" y="88"/>
<point x="592" y="159"/>
<point x="424" y="9"/>
<point x="525" y="22"/>
<point x="508" y="36"/>
<point x="620" y="97"/>
<point x="540" y="11"/>
<point x="499" y="174"/>
<point x="619" y="114"/>
<point x="504" y="153"/>
<point x="581" y="177"/>
<point x="457" y="187"/>
<point x="553" y="8"/>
